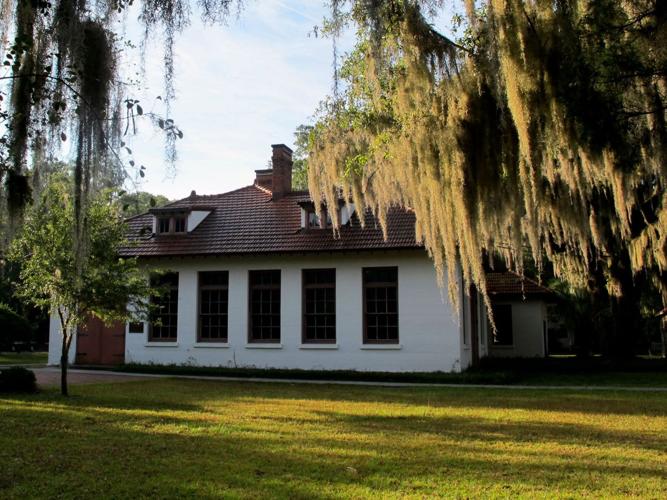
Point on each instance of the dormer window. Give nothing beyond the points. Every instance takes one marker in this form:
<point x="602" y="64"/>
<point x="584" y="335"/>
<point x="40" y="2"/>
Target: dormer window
<point x="163" y="224"/>
<point x="310" y="219"/>
<point x="179" y="220"/>
<point x="172" y="225"/>
<point x="180" y="223"/>
<point x="313" y="220"/>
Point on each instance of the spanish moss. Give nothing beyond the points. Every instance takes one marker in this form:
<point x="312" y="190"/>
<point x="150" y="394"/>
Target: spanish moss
<point x="542" y="126"/>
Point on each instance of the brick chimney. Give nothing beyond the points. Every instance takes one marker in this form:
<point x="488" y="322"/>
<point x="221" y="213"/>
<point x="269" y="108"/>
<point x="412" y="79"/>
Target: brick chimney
<point x="282" y="170"/>
<point x="264" y="178"/>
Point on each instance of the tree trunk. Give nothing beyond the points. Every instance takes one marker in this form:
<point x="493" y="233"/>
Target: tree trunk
<point x="64" y="352"/>
<point x="64" y="361"/>
<point x="625" y="310"/>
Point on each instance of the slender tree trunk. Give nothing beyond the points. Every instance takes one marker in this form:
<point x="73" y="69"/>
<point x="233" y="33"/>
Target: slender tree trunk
<point x="64" y="361"/>
<point x="64" y="352"/>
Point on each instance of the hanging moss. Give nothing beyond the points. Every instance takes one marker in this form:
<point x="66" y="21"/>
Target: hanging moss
<point x="546" y="129"/>
<point x="65" y="79"/>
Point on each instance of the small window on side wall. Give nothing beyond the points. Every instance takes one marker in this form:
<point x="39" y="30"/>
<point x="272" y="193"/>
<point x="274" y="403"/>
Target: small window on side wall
<point x="135" y="327"/>
<point x="502" y="317"/>
<point x="164" y="316"/>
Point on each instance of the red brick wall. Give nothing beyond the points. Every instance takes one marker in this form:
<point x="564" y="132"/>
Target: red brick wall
<point x="282" y="170"/>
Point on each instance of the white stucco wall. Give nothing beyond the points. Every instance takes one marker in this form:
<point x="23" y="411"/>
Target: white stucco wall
<point x="466" y="331"/>
<point x="429" y="331"/>
<point x="195" y="218"/>
<point x="56" y="342"/>
<point x="527" y="330"/>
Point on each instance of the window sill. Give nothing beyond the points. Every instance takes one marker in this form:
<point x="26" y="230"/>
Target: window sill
<point x="218" y="345"/>
<point x="263" y="346"/>
<point x="161" y="344"/>
<point x="318" y="346"/>
<point x="381" y="347"/>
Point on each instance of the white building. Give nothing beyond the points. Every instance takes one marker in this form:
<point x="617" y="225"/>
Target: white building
<point x="256" y="280"/>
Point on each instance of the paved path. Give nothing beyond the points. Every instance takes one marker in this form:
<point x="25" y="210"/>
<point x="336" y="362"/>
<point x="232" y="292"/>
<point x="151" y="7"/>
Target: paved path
<point x="50" y="376"/>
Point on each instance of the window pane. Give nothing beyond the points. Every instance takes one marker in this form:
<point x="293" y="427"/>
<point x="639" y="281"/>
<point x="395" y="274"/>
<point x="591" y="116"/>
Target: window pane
<point x="264" y="306"/>
<point x="381" y="305"/>
<point x="163" y="225"/>
<point x="179" y="224"/>
<point x="164" y="315"/>
<point x="319" y="315"/>
<point x="213" y="305"/>
<point x="313" y="219"/>
<point x="136" y="327"/>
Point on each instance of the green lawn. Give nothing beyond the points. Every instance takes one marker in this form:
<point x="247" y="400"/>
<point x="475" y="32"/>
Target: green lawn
<point x="537" y="372"/>
<point x="23" y="358"/>
<point x="184" y="438"/>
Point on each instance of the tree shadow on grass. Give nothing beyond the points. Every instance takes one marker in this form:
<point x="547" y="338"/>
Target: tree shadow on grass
<point x="189" y="439"/>
<point x="504" y="431"/>
<point x="606" y="403"/>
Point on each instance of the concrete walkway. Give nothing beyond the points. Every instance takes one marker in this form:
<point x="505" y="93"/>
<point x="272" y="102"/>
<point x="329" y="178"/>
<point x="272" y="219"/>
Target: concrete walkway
<point x="50" y="376"/>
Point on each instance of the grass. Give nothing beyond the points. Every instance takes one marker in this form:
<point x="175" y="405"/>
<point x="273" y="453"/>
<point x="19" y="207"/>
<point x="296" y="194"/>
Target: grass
<point x="482" y="377"/>
<point x="172" y="438"/>
<point x="23" y="358"/>
<point x="551" y="371"/>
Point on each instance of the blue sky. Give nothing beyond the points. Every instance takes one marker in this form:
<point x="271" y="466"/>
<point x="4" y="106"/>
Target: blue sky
<point x="240" y="88"/>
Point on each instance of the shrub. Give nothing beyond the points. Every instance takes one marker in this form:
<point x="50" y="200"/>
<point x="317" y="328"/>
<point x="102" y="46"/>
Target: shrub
<point x="17" y="379"/>
<point x="13" y="328"/>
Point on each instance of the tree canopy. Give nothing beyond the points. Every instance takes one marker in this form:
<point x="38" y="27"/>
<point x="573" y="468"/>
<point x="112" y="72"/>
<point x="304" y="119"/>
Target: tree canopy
<point x="300" y="156"/>
<point x="541" y="125"/>
<point x="140" y="202"/>
<point x="53" y="278"/>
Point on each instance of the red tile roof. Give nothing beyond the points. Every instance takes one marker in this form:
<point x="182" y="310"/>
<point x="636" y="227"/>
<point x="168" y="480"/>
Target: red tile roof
<point x="249" y="221"/>
<point x="509" y="283"/>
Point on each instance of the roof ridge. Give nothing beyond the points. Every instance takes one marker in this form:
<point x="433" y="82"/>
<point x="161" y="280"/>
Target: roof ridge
<point x="147" y="212"/>
<point x="198" y="196"/>
<point x="263" y="189"/>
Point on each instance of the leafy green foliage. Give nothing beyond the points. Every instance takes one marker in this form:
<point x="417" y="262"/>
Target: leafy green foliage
<point x="300" y="156"/>
<point x="51" y="278"/>
<point x="140" y="202"/>
<point x="77" y="278"/>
